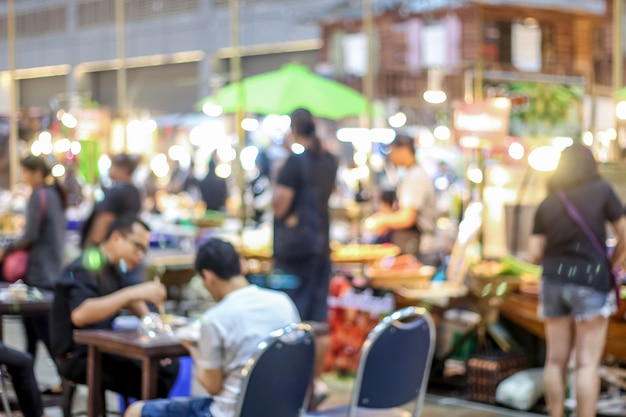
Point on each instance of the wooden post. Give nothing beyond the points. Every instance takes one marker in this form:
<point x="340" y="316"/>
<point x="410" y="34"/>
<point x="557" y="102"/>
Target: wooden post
<point x="120" y="18"/>
<point x="368" y="80"/>
<point x="618" y="67"/>
<point x="13" y="106"/>
<point x="236" y="77"/>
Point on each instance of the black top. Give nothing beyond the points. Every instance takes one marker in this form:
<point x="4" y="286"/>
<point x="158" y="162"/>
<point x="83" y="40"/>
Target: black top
<point x="118" y="200"/>
<point x="76" y="285"/>
<point x="323" y="173"/>
<point x="121" y="199"/>
<point x="214" y="192"/>
<point x="44" y="238"/>
<point x="569" y="256"/>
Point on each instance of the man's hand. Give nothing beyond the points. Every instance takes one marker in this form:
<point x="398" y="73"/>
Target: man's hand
<point x="193" y="349"/>
<point x="189" y="344"/>
<point x="375" y="225"/>
<point x="153" y="292"/>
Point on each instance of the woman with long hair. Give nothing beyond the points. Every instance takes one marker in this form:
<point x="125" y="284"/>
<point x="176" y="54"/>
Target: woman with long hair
<point x="44" y="238"/>
<point x="576" y="297"/>
<point x="316" y="168"/>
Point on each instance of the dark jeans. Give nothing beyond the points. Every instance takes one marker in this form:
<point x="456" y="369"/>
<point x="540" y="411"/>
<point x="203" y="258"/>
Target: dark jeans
<point x="37" y="327"/>
<point x="311" y="295"/>
<point x="20" y="367"/>
<point x="121" y="375"/>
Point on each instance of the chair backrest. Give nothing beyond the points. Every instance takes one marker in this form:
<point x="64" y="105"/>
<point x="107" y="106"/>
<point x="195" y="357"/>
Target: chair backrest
<point x="277" y="377"/>
<point x="395" y="362"/>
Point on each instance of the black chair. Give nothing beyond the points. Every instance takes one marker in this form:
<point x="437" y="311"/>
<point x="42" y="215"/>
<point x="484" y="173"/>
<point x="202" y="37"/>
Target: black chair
<point x="276" y="378"/>
<point x="394" y="367"/>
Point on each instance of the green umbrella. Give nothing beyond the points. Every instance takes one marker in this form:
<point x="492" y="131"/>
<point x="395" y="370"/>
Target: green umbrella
<point x="620" y="95"/>
<point x="291" y="87"/>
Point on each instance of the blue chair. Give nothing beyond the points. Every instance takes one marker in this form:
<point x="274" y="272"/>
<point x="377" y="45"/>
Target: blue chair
<point x="277" y="377"/>
<point x="394" y="367"/>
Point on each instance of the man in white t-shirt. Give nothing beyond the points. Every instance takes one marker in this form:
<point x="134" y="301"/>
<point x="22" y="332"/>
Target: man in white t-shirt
<point x="414" y="223"/>
<point x="229" y="334"/>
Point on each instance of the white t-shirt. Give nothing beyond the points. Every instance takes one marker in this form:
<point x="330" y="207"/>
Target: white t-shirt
<point x="230" y="332"/>
<point x="416" y="190"/>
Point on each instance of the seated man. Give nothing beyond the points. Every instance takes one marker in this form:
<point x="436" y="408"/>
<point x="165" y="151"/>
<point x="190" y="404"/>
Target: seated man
<point x="90" y="294"/>
<point x="229" y="334"/>
<point x="20" y="366"/>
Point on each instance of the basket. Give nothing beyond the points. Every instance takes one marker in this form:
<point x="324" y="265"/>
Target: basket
<point x="486" y="370"/>
<point x="416" y="278"/>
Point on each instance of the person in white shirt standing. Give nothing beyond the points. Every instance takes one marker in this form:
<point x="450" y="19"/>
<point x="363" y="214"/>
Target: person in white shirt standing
<point x="414" y="223"/>
<point x="229" y="334"/>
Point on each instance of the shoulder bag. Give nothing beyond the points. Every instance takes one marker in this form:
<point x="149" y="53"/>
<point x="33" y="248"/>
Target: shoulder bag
<point x="15" y="263"/>
<point x="595" y="242"/>
<point x="297" y="236"/>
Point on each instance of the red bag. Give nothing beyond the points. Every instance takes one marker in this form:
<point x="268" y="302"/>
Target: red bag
<point x="15" y="263"/>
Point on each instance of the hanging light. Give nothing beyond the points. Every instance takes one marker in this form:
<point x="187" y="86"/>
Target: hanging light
<point x="434" y="94"/>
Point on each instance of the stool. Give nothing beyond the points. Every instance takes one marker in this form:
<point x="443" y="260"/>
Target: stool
<point x="67" y="397"/>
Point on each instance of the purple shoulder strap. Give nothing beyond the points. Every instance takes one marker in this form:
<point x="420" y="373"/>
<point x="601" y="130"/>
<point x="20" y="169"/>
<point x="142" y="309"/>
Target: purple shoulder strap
<point x="578" y="219"/>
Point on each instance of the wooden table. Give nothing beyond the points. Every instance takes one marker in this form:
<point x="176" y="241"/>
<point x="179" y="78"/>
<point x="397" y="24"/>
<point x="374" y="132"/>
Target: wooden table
<point x="21" y="308"/>
<point x="130" y="345"/>
<point x="522" y="309"/>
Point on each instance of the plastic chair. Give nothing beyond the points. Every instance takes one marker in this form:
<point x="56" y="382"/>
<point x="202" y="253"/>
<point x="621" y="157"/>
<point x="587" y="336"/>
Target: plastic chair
<point x="276" y="378"/>
<point x="394" y="367"/>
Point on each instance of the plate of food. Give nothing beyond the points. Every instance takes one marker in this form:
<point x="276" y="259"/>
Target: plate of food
<point x="190" y="332"/>
<point x="400" y="271"/>
<point x="173" y="320"/>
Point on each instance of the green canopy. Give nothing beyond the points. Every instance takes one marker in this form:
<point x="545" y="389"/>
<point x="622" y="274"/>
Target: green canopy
<point x="292" y="87"/>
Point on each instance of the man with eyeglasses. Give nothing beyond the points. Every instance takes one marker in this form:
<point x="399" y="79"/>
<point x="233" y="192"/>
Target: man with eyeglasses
<point x="90" y="294"/>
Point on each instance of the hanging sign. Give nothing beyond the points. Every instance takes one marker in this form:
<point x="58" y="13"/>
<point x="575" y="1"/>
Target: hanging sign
<point x="486" y="120"/>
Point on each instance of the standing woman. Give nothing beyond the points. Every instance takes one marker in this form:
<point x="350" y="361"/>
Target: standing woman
<point x="44" y="238"/>
<point x="315" y="168"/>
<point x="576" y="296"/>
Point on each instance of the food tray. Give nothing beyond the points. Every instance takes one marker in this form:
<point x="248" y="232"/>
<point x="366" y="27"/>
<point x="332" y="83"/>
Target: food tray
<point x="258" y="254"/>
<point x="493" y="286"/>
<point x="362" y="253"/>
<point x="407" y="278"/>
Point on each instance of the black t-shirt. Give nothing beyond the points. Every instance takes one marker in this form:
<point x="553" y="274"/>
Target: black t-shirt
<point x="118" y="200"/>
<point x="76" y="285"/>
<point x="569" y="256"/>
<point x="121" y="199"/>
<point x="323" y="171"/>
<point x="214" y="192"/>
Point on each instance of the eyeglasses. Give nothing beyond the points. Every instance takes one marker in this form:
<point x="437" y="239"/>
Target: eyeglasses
<point x="139" y="247"/>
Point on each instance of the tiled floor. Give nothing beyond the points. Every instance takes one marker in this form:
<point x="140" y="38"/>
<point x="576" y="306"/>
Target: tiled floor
<point x="340" y="389"/>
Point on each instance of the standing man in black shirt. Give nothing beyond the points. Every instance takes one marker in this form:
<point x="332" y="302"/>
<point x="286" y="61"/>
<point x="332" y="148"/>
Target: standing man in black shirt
<point x="122" y="198"/>
<point x="214" y="189"/>
<point x="90" y="294"/>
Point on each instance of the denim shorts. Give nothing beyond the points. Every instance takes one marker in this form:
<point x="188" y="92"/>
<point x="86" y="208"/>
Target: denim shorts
<point x="580" y="302"/>
<point x="178" y="407"/>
